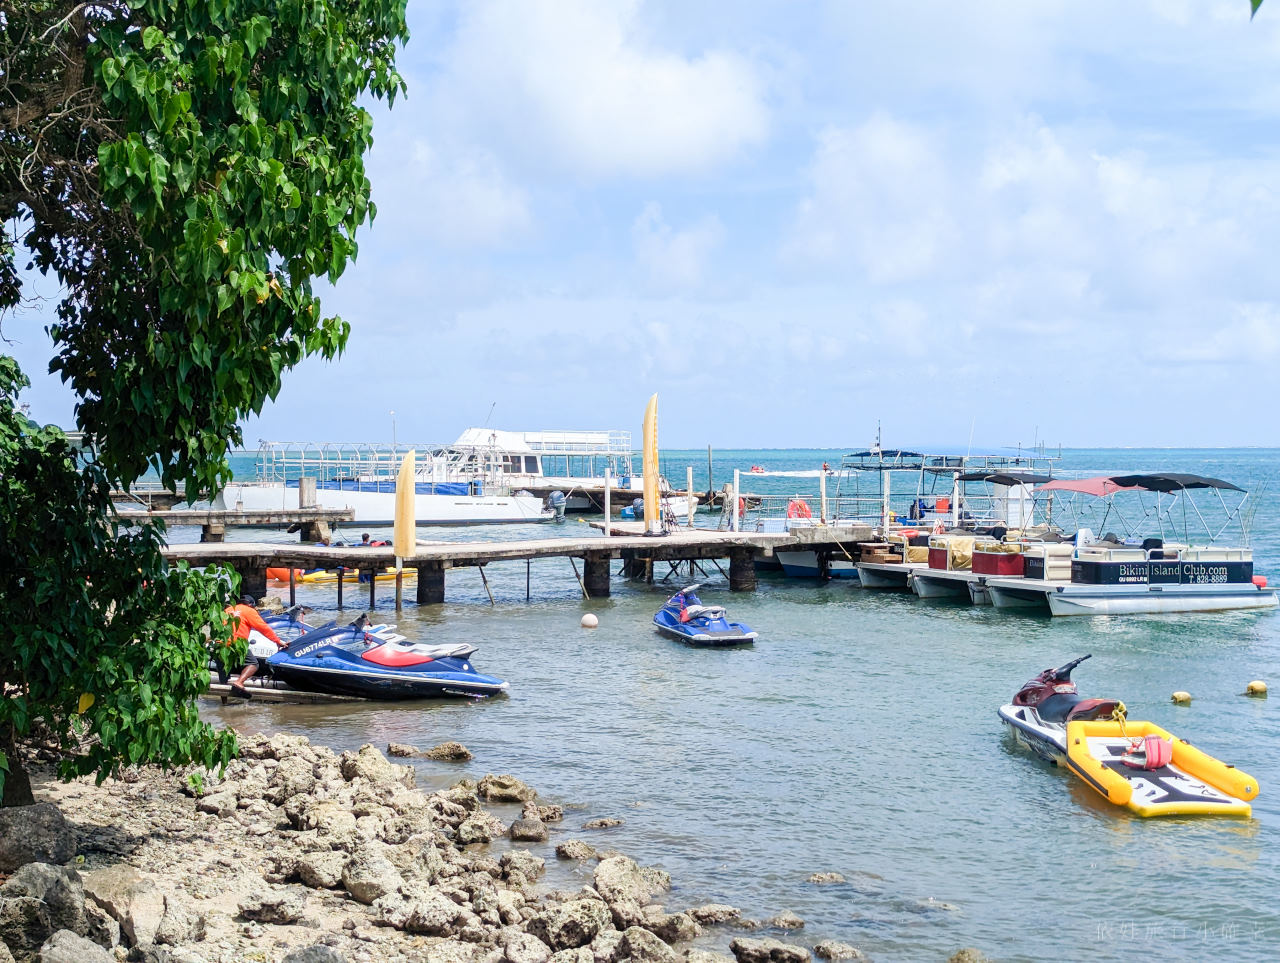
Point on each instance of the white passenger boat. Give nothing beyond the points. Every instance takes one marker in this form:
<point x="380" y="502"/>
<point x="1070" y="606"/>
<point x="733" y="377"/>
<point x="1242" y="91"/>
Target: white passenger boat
<point x="486" y="476"/>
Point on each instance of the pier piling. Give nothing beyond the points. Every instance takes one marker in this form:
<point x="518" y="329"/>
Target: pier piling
<point x="595" y="573"/>
<point x="742" y="573"/>
<point x="430" y="583"/>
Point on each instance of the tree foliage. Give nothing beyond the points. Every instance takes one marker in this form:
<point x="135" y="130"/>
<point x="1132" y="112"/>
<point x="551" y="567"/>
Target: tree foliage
<point x="104" y="647"/>
<point x="185" y="169"/>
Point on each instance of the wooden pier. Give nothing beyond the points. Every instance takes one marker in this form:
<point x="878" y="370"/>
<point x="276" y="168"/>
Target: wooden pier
<point x="313" y="523"/>
<point x="638" y="551"/>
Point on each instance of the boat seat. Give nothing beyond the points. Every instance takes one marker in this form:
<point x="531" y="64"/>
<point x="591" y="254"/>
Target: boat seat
<point x="396" y="656"/>
<point x="1073" y="707"/>
<point x="705" y="611"/>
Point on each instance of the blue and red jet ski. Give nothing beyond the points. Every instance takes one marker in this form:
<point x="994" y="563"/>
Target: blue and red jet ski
<point x="684" y="617"/>
<point x="373" y="662"/>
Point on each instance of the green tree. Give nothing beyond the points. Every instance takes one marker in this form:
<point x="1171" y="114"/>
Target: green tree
<point x="185" y="169"/>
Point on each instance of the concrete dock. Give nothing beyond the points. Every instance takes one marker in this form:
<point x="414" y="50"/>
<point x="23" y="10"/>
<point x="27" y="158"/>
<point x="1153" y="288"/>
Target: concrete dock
<point x="625" y="541"/>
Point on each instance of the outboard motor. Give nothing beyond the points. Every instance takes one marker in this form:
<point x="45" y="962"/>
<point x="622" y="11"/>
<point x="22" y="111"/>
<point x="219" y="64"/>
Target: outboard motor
<point x="637" y="506"/>
<point x="557" y="502"/>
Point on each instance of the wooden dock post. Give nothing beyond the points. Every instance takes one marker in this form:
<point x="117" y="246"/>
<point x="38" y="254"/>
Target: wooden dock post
<point x="595" y="573"/>
<point x="430" y="583"/>
<point x="689" y="495"/>
<point x="253" y="580"/>
<point x="341" y="572"/>
<point x="742" y="573"/>
<point x="293" y="587"/>
<point x="373" y="588"/>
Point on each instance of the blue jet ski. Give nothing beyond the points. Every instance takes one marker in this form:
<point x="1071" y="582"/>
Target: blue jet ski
<point x="373" y="662"/>
<point x="684" y="617"/>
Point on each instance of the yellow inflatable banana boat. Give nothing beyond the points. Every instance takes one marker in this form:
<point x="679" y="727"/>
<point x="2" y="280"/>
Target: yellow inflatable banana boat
<point x="351" y="575"/>
<point x="1139" y="765"/>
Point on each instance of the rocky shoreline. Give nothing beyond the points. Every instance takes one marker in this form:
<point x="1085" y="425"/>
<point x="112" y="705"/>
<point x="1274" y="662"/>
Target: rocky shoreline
<point x="302" y="855"/>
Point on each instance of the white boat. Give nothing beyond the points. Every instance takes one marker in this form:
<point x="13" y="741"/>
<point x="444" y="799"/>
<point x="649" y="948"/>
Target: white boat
<point x="1151" y="575"/>
<point x="486" y="476"/>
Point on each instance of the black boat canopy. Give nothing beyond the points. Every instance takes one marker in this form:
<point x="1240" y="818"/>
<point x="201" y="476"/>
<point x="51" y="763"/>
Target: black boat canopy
<point x="1009" y="478"/>
<point x="1172" y="482"/>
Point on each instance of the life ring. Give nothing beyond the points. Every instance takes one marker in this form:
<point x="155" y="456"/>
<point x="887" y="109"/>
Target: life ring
<point x="908" y="532"/>
<point x="798" y="508"/>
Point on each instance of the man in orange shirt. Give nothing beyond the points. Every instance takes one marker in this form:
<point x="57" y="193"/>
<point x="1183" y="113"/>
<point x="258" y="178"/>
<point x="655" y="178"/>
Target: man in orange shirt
<point x="250" y="626"/>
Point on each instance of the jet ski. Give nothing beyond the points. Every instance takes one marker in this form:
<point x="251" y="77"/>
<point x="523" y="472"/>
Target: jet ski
<point x="1041" y="709"/>
<point x="373" y="662"/>
<point x="1132" y="763"/>
<point x="684" y="617"/>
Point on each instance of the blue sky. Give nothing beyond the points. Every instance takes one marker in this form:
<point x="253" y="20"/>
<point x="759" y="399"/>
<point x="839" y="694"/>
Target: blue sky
<point x="1052" y="220"/>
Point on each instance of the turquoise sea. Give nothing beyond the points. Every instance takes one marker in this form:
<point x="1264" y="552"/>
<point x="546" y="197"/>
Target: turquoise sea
<point x="860" y="736"/>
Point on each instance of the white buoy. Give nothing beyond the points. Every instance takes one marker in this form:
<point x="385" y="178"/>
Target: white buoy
<point x="1182" y="698"/>
<point x="589" y="621"/>
<point x="1256" y="688"/>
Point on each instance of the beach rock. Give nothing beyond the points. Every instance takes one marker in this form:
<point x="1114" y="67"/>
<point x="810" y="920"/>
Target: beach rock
<point x="833" y="950"/>
<point x="672" y="927"/>
<point x="5" y="955"/>
<point x="102" y="928"/>
<point x="282" y="906"/>
<point x="604" y="948"/>
<point x="315" y="954"/>
<point x="504" y="789"/>
<point x="787" y="920"/>
<point x="547" y="814"/>
<point x="221" y="804"/>
<point x="968" y="955"/>
<point x="368" y="876"/>
<point x="401" y="750"/>
<point x="24" y="925"/>
<point x="321" y="870"/>
<point x="570" y="925"/>
<point x="528" y="831"/>
<point x="180" y="923"/>
<point x="825" y="878"/>
<point x="65" y="946"/>
<point x="371" y="765"/>
<point x="294" y="775"/>
<point x="520" y="947"/>
<point x="642" y="946"/>
<point x="767" y="951"/>
<point x="132" y="900"/>
<point x="706" y="956"/>
<point x="34" y="834"/>
<point x="713" y="913"/>
<point x="580" y="954"/>
<point x="59" y="888"/>
<point x="523" y="862"/>
<point x="607" y="822"/>
<point x="449" y="752"/>
<point x="575" y="849"/>
<point x="619" y="878"/>
<point x="479" y="827"/>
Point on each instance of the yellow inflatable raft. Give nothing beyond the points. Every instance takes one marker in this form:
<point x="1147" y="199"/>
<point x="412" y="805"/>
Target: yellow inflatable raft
<point x="1139" y="765"/>
<point x="352" y="575"/>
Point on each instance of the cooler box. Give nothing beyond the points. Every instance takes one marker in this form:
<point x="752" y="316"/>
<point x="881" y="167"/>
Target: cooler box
<point x="998" y="563"/>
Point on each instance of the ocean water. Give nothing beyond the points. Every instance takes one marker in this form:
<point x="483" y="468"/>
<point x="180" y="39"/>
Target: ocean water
<point x="860" y="736"/>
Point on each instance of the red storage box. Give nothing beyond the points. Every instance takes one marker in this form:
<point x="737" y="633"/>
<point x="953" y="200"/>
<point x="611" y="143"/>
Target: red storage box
<point x="997" y="563"/>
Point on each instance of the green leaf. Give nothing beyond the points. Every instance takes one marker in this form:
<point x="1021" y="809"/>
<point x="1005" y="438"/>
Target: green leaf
<point x="151" y="37"/>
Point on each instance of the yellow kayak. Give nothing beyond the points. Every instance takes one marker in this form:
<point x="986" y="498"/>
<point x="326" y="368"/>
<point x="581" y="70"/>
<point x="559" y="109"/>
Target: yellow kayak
<point x="352" y="575"/>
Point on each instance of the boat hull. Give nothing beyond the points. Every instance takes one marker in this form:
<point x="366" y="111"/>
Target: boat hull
<point x="378" y="508"/>
<point x="928" y="585"/>
<point x="806" y="565"/>
<point x="1009" y="594"/>
<point x="342" y="679"/>
<point x="1154" y="600"/>
<point x="1046" y="740"/>
<point x="878" y="575"/>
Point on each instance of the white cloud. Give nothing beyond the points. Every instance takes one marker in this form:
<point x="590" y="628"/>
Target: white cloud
<point x="578" y="84"/>
<point x="674" y="259"/>
<point x="878" y="200"/>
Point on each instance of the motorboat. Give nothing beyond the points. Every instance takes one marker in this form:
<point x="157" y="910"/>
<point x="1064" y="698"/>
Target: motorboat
<point x="684" y="617"/>
<point x="374" y="662"/>
<point x="1132" y="763"/>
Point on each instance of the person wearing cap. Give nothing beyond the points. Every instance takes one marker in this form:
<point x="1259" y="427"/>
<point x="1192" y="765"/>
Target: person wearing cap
<point x="250" y="626"/>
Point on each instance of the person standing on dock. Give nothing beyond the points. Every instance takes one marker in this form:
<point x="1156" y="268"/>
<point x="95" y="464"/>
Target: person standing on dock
<point x="250" y="626"/>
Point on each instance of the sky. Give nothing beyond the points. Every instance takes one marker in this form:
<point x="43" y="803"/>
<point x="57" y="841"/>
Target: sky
<point x="1003" y="221"/>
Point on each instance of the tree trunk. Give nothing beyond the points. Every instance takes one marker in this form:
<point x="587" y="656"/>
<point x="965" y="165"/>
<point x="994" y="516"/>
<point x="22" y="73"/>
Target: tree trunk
<point x="17" y="786"/>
